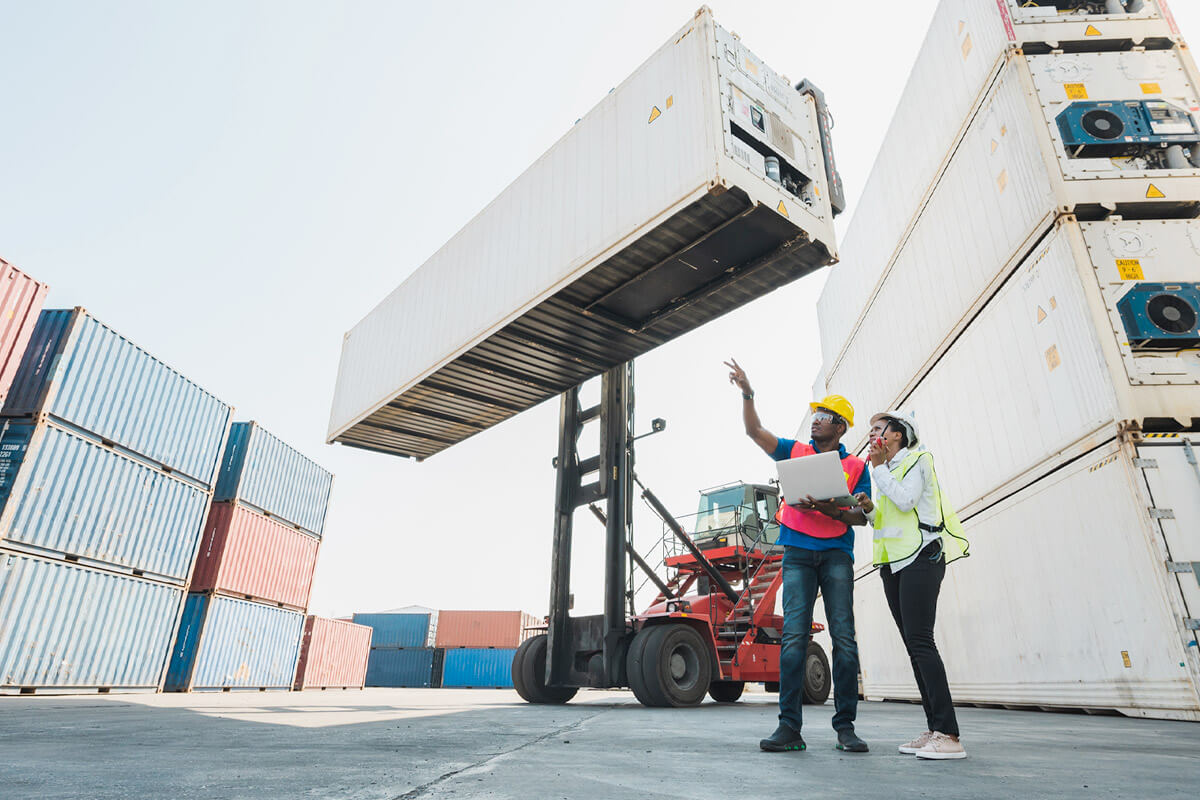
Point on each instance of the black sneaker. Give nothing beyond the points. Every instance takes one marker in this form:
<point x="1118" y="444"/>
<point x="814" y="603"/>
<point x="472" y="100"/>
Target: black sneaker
<point x="782" y="740"/>
<point x="848" y="740"/>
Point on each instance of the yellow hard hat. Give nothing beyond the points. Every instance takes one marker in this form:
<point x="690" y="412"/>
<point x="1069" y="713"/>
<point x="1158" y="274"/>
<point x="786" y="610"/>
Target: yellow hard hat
<point x="838" y="405"/>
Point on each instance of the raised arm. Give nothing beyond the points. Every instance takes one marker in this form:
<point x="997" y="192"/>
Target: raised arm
<point x="754" y="429"/>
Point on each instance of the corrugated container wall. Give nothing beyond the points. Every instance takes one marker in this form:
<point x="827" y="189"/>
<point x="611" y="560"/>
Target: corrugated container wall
<point x="251" y="556"/>
<point x="64" y="626"/>
<point x="80" y="371"/>
<point x="65" y="494"/>
<point x="402" y="667"/>
<point x="21" y="299"/>
<point x="962" y="53"/>
<point x="224" y="643"/>
<point x="1103" y="633"/>
<point x="262" y="471"/>
<point x="549" y="285"/>
<point x="333" y="654"/>
<point x="484" y="628"/>
<point x="401" y="630"/>
<point x="478" y="668"/>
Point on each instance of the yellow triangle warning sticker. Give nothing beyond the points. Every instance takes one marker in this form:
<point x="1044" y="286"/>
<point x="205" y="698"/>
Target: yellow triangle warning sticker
<point x="1041" y="315"/>
<point x="1154" y="193"/>
<point x="995" y="144"/>
<point x="961" y="24"/>
<point x="654" y="114"/>
<point x="782" y="209"/>
<point x="1092" y="30"/>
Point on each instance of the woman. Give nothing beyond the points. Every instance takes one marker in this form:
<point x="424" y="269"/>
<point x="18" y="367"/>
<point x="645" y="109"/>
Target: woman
<point x="915" y="536"/>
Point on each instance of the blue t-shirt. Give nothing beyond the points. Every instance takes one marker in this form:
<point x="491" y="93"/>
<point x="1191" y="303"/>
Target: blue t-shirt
<point x="793" y="538"/>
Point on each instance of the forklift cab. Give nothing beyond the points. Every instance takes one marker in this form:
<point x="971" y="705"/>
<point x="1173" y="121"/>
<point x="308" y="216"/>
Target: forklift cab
<point x="738" y="515"/>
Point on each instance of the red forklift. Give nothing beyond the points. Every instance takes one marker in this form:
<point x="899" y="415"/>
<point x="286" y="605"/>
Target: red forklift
<point x="713" y="626"/>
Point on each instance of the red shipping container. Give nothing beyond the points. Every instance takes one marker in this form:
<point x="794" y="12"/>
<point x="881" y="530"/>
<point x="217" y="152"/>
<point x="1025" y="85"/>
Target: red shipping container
<point x="21" y="299"/>
<point x="247" y="555"/>
<point x="333" y="655"/>
<point x="484" y="628"/>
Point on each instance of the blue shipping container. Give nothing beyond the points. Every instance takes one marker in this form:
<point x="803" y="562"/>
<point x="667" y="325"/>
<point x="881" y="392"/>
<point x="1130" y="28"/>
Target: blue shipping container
<point x="261" y="471"/>
<point x="226" y="643"/>
<point x="416" y="667"/>
<point x="478" y="668"/>
<point x="400" y="630"/>
<point x="64" y="626"/>
<point x="63" y="493"/>
<point x="82" y="372"/>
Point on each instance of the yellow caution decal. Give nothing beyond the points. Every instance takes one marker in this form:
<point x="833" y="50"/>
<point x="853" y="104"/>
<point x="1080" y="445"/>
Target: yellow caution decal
<point x="1125" y="659"/>
<point x="995" y="145"/>
<point x="967" y="45"/>
<point x="1053" y="303"/>
<point x="1154" y="193"/>
<point x="1130" y="269"/>
<point x="1076" y="91"/>
<point x="782" y="209"/>
<point x="670" y="100"/>
<point x="1151" y="88"/>
<point x="1092" y="30"/>
<point x="1041" y="315"/>
<point x="1053" y="359"/>
<point x="1104" y="463"/>
<point x="654" y="114"/>
<point x="1002" y="180"/>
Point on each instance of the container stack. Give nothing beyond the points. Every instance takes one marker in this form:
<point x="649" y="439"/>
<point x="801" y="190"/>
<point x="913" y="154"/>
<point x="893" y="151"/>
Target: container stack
<point x="242" y="626"/>
<point x="479" y="646"/>
<point x="21" y="299"/>
<point x="1023" y="272"/>
<point x="402" y="648"/>
<point x="107" y="462"/>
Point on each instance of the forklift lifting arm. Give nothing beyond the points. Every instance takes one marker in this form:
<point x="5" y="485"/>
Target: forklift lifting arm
<point x="711" y="571"/>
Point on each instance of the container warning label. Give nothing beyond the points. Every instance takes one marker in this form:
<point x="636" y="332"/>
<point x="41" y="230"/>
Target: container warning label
<point x="1151" y="88"/>
<point x="654" y="114"/>
<point x="782" y="209"/>
<point x="1130" y="269"/>
<point x="1076" y="91"/>
<point x="1053" y="359"/>
<point x="1154" y="193"/>
<point x="1125" y="659"/>
<point x="1092" y="30"/>
<point x="967" y="45"/>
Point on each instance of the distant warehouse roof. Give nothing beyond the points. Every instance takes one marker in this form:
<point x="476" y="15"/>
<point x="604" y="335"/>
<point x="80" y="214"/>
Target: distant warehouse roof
<point x="651" y="217"/>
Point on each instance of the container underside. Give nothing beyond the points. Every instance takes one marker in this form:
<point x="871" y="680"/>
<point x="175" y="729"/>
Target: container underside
<point x="712" y="257"/>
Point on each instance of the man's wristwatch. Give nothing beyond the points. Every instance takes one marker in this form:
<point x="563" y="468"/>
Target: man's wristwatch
<point x="748" y="395"/>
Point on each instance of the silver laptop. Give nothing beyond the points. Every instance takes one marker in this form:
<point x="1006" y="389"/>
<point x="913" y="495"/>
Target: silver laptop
<point x="819" y="475"/>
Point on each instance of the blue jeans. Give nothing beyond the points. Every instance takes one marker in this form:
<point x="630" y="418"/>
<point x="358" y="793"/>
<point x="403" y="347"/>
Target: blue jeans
<point x="805" y="571"/>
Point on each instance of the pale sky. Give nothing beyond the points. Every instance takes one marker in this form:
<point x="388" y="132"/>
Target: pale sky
<point x="233" y="185"/>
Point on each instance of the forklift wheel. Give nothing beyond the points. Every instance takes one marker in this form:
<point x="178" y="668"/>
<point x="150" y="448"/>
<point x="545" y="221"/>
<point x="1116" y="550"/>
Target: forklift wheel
<point x="726" y="691"/>
<point x="529" y="674"/>
<point x="633" y="666"/>
<point x="816" y="675"/>
<point x="676" y="665"/>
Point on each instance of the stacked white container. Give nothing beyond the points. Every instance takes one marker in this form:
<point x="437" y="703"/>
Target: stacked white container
<point x="1024" y="274"/>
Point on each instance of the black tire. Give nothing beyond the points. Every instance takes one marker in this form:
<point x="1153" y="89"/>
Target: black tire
<point x="530" y="659"/>
<point x="633" y="666"/>
<point x="726" y="691"/>
<point x="817" y="680"/>
<point x="677" y="666"/>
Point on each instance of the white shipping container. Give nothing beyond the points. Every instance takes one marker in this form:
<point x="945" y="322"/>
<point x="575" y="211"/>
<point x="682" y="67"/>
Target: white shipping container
<point x="652" y="215"/>
<point x="995" y="199"/>
<point x="1071" y="596"/>
<point x="961" y="56"/>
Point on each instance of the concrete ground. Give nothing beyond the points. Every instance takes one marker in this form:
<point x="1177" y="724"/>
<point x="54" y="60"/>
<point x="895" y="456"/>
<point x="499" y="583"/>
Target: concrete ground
<point x="395" y="744"/>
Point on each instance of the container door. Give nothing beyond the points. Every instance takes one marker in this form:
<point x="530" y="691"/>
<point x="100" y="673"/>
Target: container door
<point x="1171" y="466"/>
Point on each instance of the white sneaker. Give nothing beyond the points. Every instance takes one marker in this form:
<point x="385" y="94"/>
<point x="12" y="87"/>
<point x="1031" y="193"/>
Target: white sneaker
<point x="940" y="746"/>
<point x="908" y="748"/>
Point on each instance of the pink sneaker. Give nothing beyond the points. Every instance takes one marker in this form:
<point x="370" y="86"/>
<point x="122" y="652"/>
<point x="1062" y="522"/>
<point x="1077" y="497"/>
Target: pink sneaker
<point x="908" y="748"/>
<point x="940" y="746"/>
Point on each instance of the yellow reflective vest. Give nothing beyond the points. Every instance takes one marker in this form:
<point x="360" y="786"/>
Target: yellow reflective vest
<point x="898" y="533"/>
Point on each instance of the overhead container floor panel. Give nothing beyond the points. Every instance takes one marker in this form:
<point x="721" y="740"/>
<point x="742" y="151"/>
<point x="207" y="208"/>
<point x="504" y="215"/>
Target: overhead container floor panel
<point x="714" y="256"/>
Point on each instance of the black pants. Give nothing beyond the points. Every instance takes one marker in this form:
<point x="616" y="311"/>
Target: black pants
<point x="912" y="595"/>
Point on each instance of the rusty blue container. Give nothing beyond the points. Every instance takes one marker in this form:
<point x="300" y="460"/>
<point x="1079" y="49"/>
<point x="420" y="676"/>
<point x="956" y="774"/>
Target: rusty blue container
<point x="412" y="667"/>
<point x="227" y="643"/>
<point x="261" y="471"/>
<point x="68" y="627"/>
<point x="85" y="375"/>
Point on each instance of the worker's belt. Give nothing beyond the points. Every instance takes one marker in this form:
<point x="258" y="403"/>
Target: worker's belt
<point x="941" y="527"/>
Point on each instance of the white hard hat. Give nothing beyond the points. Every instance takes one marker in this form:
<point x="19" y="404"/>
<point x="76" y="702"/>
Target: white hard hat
<point x="907" y="420"/>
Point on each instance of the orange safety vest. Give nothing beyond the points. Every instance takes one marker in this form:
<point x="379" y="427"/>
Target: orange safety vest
<point x="814" y="523"/>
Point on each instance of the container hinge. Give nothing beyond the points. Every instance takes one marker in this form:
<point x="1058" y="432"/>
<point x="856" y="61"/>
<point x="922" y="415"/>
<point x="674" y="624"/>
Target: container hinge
<point x="1191" y="624"/>
<point x="1162" y="513"/>
<point x="1145" y="463"/>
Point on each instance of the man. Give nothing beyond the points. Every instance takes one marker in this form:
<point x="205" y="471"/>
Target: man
<point x="818" y="545"/>
<point x="916" y="535"/>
